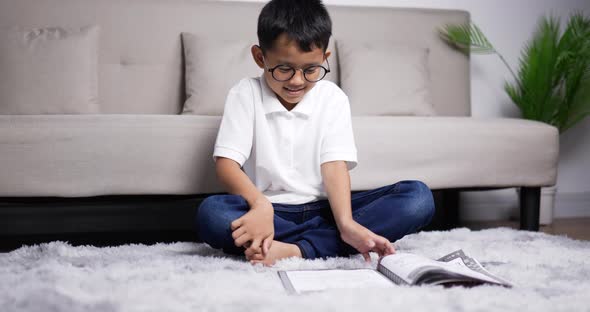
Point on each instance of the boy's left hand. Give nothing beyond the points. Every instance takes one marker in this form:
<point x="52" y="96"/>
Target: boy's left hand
<point x="255" y="229"/>
<point x="364" y="240"/>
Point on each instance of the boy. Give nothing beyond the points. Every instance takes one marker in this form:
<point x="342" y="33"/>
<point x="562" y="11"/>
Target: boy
<point x="291" y="133"/>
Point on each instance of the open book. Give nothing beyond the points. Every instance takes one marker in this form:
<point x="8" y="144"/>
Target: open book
<point x="454" y="269"/>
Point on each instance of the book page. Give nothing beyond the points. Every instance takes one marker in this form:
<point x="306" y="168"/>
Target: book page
<point x="468" y="270"/>
<point x="460" y="258"/>
<point x="407" y="265"/>
<point x="403" y="264"/>
<point x="315" y="280"/>
<point x="482" y="270"/>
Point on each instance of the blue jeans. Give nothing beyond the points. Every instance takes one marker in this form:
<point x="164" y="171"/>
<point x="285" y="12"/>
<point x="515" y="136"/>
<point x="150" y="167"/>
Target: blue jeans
<point x="391" y="211"/>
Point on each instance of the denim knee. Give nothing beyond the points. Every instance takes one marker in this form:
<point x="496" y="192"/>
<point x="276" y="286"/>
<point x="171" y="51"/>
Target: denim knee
<point x="214" y="222"/>
<point x="422" y="206"/>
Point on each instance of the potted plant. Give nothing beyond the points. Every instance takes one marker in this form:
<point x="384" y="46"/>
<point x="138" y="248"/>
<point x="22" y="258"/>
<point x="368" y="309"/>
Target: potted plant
<point x="552" y="84"/>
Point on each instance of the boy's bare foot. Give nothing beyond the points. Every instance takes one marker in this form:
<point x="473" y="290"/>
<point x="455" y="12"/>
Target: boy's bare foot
<point x="278" y="250"/>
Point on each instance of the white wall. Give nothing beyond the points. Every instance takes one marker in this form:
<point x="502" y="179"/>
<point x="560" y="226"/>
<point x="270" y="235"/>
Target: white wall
<point x="508" y="24"/>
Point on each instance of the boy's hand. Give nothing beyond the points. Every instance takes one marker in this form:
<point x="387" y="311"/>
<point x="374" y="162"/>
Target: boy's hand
<point x="255" y="229"/>
<point x="363" y="240"/>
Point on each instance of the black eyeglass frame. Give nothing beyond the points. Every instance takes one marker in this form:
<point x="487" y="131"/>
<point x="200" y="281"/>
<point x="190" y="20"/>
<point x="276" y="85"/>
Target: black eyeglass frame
<point x="326" y="71"/>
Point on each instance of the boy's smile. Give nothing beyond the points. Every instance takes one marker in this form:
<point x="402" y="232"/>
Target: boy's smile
<point x="287" y="52"/>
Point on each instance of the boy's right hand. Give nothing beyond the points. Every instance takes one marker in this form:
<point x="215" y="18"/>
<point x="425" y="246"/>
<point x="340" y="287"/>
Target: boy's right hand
<point x="255" y="229"/>
<point x="364" y="240"/>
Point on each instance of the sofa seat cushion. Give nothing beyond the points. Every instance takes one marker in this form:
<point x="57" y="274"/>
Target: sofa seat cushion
<point x="454" y="152"/>
<point x="90" y="155"/>
<point x="120" y="154"/>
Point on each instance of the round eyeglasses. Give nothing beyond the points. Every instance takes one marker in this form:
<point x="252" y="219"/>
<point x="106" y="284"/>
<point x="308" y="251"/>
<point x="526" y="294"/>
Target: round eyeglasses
<point x="313" y="73"/>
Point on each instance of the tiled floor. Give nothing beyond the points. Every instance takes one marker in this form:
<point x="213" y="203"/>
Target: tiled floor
<point x="577" y="228"/>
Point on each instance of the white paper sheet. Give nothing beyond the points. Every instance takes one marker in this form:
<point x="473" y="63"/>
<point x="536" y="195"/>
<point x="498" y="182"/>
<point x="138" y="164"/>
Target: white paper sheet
<point x="303" y="281"/>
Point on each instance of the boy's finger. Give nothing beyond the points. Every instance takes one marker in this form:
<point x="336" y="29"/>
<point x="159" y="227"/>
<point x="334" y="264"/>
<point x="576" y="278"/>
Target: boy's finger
<point x="236" y="224"/>
<point x="256" y="245"/>
<point x="387" y="246"/>
<point x="250" y="253"/>
<point x="383" y="243"/>
<point x="391" y="249"/>
<point x="386" y="250"/>
<point x="382" y="251"/>
<point x="241" y="240"/>
<point x="237" y="233"/>
<point x="266" y="246"/>
<point x="380" y="245"/>
<point x="256" y="257"/>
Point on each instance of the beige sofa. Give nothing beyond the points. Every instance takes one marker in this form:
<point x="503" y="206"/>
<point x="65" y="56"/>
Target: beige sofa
<point x="138" y="140"/>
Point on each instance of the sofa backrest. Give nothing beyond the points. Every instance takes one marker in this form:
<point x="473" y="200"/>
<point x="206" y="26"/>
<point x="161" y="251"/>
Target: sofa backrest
<point x="141" y="67"/>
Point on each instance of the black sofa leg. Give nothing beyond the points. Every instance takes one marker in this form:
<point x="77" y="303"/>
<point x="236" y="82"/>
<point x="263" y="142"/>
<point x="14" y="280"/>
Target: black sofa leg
<point x="530" y="202"/>
<point x="451" y="206"/>
<point x="446" y="215"/>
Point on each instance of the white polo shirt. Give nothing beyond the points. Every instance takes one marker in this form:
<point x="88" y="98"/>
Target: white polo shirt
<point x="279" y="150"/>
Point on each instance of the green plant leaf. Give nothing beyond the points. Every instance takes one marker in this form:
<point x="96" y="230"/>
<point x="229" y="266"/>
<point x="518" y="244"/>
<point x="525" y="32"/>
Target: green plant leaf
<point x="580" y="105"/>
<point x="537" y="73"/>
<point x="515" y="95"/>
<point x="552" y="84"/>
<point x="574" y="69"/>
<point x="467" y="38"/>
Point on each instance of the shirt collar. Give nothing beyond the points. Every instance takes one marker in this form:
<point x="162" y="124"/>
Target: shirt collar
<point x="271" y="103"/>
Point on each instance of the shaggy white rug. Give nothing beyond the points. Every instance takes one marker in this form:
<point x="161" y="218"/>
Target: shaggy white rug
<point x="549" y="273"/>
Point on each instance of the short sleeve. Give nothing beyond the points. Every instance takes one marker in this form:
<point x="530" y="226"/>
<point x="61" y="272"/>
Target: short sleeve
<point x="338" y="141"/>
<point x="236" y="131"/>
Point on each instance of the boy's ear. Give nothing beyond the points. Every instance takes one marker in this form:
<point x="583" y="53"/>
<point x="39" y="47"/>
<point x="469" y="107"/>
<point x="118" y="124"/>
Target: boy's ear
<point x="257" y="55"/>
<point x="327" y="54"/>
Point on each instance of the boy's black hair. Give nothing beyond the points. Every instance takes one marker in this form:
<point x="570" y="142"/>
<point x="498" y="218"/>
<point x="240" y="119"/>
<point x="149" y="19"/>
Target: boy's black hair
<point x="305" y="21"/>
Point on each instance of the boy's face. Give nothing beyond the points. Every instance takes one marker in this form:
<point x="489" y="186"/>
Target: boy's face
<point x="287" y="52"/>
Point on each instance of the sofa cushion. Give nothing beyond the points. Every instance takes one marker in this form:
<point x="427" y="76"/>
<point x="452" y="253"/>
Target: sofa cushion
<point x="141" y="70"/>
<point x="384" y="78"/>
<point x="212" y="67"/>
<point x="52" y="70"/>
<point x="88" y="155"/>
<point x="454" y="152"/>
<point x="206" y="58"/>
